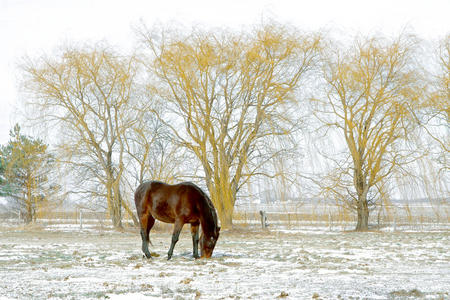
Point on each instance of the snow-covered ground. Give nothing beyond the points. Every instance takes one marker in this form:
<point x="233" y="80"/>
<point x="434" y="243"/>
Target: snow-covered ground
<point x="299" y="263"/>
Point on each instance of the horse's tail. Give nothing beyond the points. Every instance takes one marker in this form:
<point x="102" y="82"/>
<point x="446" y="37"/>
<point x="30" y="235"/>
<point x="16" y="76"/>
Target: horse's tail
<point x="139" y="196"/>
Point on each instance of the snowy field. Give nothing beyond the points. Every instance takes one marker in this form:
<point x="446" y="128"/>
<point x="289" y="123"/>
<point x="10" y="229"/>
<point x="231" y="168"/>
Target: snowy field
<point x="300" y="263"/>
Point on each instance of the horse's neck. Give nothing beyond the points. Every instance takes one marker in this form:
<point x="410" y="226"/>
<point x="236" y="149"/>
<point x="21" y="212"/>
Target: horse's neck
<point x="208" y="218"/>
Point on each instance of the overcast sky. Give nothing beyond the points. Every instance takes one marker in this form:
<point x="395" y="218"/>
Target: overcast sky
<point x="33" y="27"/>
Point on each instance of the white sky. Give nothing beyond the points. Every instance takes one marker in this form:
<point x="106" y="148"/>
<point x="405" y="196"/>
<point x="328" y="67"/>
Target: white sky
<point x="33" y="27"/>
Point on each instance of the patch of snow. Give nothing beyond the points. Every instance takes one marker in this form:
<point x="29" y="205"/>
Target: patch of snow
<point x="294" y="263"/>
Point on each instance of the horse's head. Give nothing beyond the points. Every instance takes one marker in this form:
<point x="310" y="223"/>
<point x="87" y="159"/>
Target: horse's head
<point x="208" y="242"/>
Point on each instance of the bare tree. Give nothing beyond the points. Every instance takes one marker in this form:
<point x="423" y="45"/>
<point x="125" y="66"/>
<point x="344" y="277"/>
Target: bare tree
<point x="229" y="93"/>
<point x="88" y="92"/>
<point x="151" y="154"/>
<point x="371" y="93"/>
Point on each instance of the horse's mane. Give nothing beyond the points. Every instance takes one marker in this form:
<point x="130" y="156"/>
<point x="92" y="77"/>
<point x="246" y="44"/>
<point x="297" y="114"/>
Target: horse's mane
<point x="211" y="207"/>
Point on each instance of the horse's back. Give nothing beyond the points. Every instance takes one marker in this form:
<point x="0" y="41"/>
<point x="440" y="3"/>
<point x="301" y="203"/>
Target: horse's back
<point x="167" y="202"/>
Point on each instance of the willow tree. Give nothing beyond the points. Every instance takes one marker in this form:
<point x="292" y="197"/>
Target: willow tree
<point x="229" y="93"/>
<point x="444" y="78"/>
<point x="87" y="93"/>
<point x="371" y="92"/>
<point x="436" y="116"/>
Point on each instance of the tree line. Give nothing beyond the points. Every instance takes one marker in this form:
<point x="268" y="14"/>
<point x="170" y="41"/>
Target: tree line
<point x="222" y="108"/>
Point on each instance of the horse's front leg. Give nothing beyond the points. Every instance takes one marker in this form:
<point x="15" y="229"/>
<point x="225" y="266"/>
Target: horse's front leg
<point x="195" y="238"/>
<point x="176" y="233"/>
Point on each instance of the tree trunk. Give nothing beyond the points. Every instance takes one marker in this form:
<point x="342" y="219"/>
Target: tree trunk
<point x="29" y="203"/>
<point x="114" y="208"/>
<point x="362" y="206"/>
<point x="117" y="220"/>
<point x="223" y="199"/>
<point x="363" y="215"/>
<point x="226" y="218"/>
<point x="130" y="212"/>
<point x="116" y="211"/>
<point x="29" y="214"/>
<point x="224" y="211"/>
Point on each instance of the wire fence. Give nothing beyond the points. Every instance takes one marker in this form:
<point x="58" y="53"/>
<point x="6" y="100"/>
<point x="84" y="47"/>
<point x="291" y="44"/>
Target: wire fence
<point x="276" y="215"/>
<point x="413" y="215"/>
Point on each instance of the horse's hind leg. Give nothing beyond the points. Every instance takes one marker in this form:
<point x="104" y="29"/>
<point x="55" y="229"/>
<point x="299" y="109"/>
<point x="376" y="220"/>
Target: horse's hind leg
<point x="195" y="238"/>
<point x="146" y="226"/>
<point x="176" y="233"/>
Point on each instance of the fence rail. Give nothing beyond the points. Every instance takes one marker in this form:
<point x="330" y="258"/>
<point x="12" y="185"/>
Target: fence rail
<point x="280" y="214"/>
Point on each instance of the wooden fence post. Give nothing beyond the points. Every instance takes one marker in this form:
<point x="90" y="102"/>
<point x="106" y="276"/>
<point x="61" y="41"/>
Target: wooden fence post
<point x="263" y="219"/>
<point x="329" y="220"/>
<point x="81" y="219"/>
<point x="395" y="223"/>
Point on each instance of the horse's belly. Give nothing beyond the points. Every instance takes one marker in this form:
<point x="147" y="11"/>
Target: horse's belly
<point x="169" y="218"/>
<point x="164" y="218"/>
<point x="164" y="215"/>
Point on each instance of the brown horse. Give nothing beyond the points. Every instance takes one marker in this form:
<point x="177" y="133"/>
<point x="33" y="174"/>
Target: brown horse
<point x="178" y="204"/>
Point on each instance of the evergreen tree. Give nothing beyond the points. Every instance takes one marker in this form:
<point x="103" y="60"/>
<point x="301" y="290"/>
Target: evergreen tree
<point x="25" y="167"/>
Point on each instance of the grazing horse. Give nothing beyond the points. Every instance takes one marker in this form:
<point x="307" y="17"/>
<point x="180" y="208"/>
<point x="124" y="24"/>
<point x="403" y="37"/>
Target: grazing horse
<point x="178" y="204"/>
